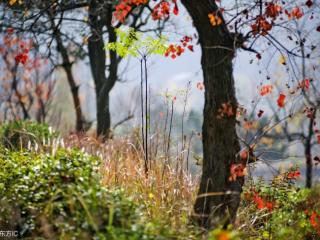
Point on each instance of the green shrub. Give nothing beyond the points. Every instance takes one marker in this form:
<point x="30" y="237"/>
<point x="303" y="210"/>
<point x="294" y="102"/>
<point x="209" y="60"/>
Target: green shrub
<point x="18" y="134"/>
<point x="279" y="210"/>
<point x="60" y="197"/>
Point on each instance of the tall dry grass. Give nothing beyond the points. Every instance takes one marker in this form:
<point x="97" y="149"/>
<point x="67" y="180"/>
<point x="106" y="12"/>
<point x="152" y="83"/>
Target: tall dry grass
<point x="167" y="191"/>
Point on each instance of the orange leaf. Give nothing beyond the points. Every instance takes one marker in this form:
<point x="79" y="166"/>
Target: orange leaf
<point x="215" y="20"/>
<point x="296" y="12"/>
<point x="266" y="89"/>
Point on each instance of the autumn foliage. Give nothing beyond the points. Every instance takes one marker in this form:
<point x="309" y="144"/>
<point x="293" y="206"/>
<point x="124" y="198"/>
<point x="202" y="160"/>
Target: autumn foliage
<point x="263" y="129"/>
<point x="24" y="95"/>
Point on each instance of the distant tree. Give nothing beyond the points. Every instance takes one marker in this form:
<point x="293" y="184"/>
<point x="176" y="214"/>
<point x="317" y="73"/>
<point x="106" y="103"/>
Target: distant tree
<point x="26" y="85"/>
<point x="92" y="23"/>
<point x="67" y="66"/>
<point x="101" y="15"/>
<point x="38" y="20"/>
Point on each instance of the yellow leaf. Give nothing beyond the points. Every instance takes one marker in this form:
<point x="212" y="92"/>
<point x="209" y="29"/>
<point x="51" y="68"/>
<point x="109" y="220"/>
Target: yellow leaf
<point x="85" y="40"/>
<point x="282" y="60"/>
<point x="266" y="141"/>
<point x="278" y="129"/>
<point x="11" y="2"/>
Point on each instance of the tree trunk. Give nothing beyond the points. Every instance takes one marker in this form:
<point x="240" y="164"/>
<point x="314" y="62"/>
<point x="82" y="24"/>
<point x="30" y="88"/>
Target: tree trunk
<point x="67" y="66"/>
<point x="75" y="96"/>
<point x="218" y="198"/>
<point x="101" y="15"/>
<point x="307" y="153"/>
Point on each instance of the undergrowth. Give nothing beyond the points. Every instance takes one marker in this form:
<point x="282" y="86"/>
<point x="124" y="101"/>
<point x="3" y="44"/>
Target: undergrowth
<point x="79" y="188"/>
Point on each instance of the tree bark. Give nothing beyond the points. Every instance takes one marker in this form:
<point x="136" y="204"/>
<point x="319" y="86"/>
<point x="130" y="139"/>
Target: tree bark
<point x="218" y="198"/>
<point x="308" y="154"/>
<point x="101" y="15"/>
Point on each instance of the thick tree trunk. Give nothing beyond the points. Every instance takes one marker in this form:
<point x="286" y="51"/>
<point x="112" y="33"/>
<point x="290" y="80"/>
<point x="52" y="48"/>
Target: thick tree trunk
<point x="103" y="114"/>
<point x="101" y="15"/>
<point x="218" y="198"/>
<point x="97" y="62"/>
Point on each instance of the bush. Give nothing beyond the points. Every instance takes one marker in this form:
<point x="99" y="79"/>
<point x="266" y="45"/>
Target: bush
<point x="60" y="197"/>
<point x="280" y="210"/>
<point x="18" y="134"/>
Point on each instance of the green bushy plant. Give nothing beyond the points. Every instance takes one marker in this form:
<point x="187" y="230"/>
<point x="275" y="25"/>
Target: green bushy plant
<point x="279" y="210"/>
<point x="60" y="197"/>
<point x="18" y="134"/>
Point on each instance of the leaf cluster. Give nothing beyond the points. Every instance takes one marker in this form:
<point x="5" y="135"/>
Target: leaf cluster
<point x="133" y="43"/>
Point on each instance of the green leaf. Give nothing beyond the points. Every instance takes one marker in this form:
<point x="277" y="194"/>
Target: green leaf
<point x="132" y="43"/>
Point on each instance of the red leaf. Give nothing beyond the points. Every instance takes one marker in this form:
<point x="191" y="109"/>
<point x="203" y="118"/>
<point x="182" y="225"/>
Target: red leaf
<point x="258" y="200"/>
<point x="269" y="205"/>
<point x="175" y="9"/>
<point x="21" y="58"/>
<point x="314" y="219"/>
<point x="190" y="47"/>
<point x="281" y="100"/>
<point x="10" y="30"/>
<point x="273" y="10"/>
<point x="293" y="174"/>
<point x="304" y="84"/>
<point x="309" y="3"/>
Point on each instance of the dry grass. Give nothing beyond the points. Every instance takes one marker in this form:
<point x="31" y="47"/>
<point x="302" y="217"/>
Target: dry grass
<point x="167" y="192"/>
